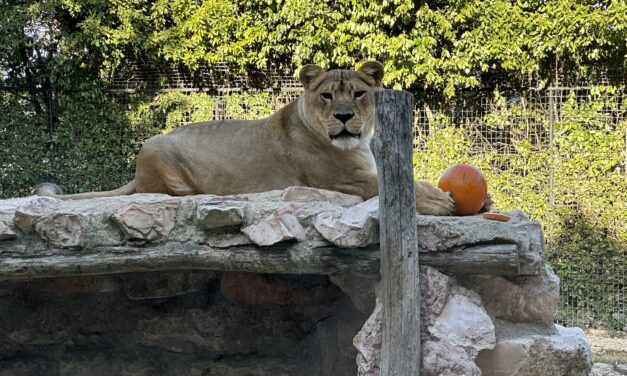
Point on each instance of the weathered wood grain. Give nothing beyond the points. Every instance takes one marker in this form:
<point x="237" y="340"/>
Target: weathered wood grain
<point x="400" y="352"/>
<point x="285" y="259"/>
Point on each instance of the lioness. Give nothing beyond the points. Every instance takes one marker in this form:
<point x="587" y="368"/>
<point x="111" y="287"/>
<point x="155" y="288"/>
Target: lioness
<point x="320" y="140"/>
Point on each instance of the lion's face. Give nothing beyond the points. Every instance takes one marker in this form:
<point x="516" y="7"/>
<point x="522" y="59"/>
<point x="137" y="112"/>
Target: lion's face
<point x="338" y="105"/>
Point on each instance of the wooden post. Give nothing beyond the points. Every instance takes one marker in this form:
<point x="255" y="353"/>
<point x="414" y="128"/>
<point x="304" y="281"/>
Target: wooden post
<point x="392" y="147"/>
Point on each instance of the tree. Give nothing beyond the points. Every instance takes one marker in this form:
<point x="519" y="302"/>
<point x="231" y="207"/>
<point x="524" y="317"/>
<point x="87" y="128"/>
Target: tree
<point x="441" y="45"/>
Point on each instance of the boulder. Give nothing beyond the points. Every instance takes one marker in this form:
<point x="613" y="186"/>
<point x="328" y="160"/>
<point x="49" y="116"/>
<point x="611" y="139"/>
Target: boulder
<point x="464" y="323"/>
<point x="455" y="330"/>
<point x="518" y="298"/>
<point x="565" y="353"/>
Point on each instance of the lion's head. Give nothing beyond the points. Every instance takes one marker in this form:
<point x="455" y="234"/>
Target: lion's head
<point x="338" y="105"/>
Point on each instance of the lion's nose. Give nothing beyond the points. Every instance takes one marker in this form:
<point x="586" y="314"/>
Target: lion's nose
<point x="343" y="117"/>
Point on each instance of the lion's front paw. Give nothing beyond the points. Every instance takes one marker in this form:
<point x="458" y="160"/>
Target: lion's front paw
<point x="431" y="200"/>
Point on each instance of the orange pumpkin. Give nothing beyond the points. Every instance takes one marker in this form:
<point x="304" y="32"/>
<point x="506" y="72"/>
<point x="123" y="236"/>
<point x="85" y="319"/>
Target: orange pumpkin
<point x="467" y="186"/>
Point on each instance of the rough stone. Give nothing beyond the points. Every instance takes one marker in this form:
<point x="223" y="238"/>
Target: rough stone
<point x="357" y="226"/>
<point x="163" y="285"/>
<point x="519" y="298"/>
<point x="291" y="222"/>
<point x="147" y="222"/>
<point x="446" y="233"/>
<point x="441" y="358"/>
<point x="267" y="289"/>
<point x="27" y="367"/>
<point x="6" y="233"/>
<point x="566" y="353"/>
<point x="336" y="332"/>
<point x="308" y="194"/>
<point x="32" y="210"/>
<point x="69" y="286"/>
<point x="63" y="230"/>
<point x="603" y="369"/>
<point x="464" y="323"/>
<point x="434" y="292"/>
<point x="101" y="365"/>
<point x="277" y="227"/>
<point x="455" y="329"/>
<point x="220" y="218"/>
<point x="368" y="343"/>
<point x="361" y="290"/>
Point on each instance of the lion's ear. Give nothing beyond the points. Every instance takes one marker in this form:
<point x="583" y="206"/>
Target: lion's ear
<point x="308" y="73"/>
<point x="373" y="71"/>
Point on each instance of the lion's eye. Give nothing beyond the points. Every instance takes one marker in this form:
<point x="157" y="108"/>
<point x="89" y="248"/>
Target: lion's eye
<point x="327" y="96"/>
<point x="359" y="94"/>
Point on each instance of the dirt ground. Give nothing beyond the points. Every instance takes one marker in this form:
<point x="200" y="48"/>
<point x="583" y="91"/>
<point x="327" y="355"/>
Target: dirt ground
<point x="609" y="353"/>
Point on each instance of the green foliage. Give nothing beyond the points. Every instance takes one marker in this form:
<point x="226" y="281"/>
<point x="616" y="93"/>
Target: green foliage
<point x="573" y="180"/>
<point x="25" y="147"/>
<point x="445" y="45"/>
<point x="167" y="111"/>
<point x="89" y="148"/>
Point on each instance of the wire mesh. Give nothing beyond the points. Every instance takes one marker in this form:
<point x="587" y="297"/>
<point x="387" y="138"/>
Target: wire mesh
<point x="516" y="134"/>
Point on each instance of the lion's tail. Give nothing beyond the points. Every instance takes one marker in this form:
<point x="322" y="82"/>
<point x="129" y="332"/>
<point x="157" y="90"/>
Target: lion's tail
<point x="123" y="190"/>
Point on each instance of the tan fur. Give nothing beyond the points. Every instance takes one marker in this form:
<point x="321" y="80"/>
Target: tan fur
<point x="296" y="146"/>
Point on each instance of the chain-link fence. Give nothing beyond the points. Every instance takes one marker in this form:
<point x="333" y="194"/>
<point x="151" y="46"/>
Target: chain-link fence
<point x="559" y="154"/>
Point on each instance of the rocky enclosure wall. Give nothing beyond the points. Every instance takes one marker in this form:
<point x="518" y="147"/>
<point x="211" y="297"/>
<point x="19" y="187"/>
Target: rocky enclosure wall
<point x="277" y="283"/>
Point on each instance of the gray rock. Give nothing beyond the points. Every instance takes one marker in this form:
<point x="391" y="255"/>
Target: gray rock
<point x="603" y="369"/>
<point x="220" y="218"/>
<point x="519" y="299"/>
<point x="277" y="227"/>
<point x="357" y="226"/>
<point x="101" y="365"/>
<point x="464" y="323"/>
<point x="212" y="330"/>
<point x="27" y="367"/>
<point x="166" y="284"/>
<point x="62" y="230"/>
<point x="368" y="343"/>
<point x="455" y="331"/>
<point x="566" y="353"/>
<point x="147" y="222"/>
<point x="72" y="286"/>
<point x="361" y="290"/>
<point x="441" y="358"/>
<point x="32" y="210"/>
<point x="446" y="233"/>
<point x="434" y="291"/>
<point x="6" y="233"/>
